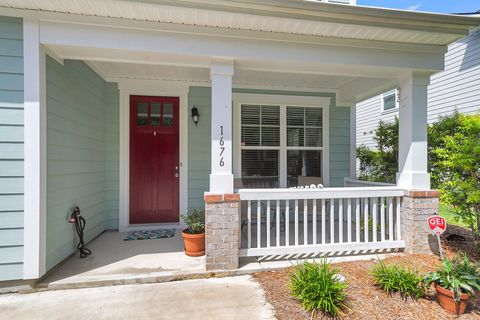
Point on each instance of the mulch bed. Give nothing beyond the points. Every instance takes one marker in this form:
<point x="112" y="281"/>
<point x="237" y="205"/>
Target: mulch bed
<point x="369" y="302"/>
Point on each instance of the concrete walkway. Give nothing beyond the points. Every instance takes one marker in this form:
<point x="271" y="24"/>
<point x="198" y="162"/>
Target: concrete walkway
<point x="218" y="298"/>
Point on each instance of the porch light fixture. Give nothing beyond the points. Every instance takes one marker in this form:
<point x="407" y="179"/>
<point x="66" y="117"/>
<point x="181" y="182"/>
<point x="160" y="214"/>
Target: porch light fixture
<point x="195" y="115"/>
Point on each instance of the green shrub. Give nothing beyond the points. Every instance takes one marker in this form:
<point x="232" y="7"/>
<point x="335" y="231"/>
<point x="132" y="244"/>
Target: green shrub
<point x="458" y="275"/>
<point x="195" y="221"/>
<point x="319" y="288"/>
<point x="395" y="278"/>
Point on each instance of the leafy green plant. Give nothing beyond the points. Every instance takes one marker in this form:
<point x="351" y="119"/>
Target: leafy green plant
<point x="455" y="169"/>
<point x="319" y="288"/>
<point x="395" y="278"/>
<point x="380" y="164"/>
<point x="370" y="224"/>
<point x="458" y="275"/>
<point x="195" y="221"/>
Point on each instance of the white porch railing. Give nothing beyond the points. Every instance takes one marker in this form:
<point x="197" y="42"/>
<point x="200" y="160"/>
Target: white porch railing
<point x="348" y="182"/>
<point x="307" y="221"/>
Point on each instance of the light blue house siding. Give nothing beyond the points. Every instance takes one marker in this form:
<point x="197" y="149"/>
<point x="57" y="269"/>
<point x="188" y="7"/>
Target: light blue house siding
<point x="199" y="140"/>
<point x="82" y="154"/>
<point x="11" y="148"/>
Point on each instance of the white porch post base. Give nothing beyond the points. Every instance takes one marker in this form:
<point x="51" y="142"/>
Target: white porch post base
<point x="414" y="180"/>
<point x="412" y="151"/>
<point x="221" y="183"/>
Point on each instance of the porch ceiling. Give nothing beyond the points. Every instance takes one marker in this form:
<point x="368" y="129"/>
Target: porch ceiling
<point x="290" y="17"/>
<point x="115" y="70"/>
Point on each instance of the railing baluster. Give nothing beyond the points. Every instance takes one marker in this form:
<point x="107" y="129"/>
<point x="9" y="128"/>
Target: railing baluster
<point x="268" y="224"/>
<point x="332" y="220"/>
<point x="259" y="223"/>
<point x="399" y="226"/>
<point x="340" y="220"/>
<point x="323" y="221"/>
<point x="277" y="220"/>
<point x="296" y="222"/>
<point x="287" y="222"/>
<point x="249" y="224"/>
<point x="357" y="220"/>
<point x="305" y="221"/>
<point x="366" y="220"/>
<point x="314" y="221"/>
<point x="390" y="218"/>
<point x="374" y="218"/>
<point x="349" y="220"/>
<point x="382" y="219"/>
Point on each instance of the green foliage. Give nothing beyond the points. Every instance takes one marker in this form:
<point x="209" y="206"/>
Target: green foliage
<point x="455" y="165"/>
<point x="381" y="164"/>
<point x="458" y="275"/>
<point x="370" y="224"/>
<point x="318" y="287"/>
<point x="195" y="221"/>
<point x="395" y="278"/>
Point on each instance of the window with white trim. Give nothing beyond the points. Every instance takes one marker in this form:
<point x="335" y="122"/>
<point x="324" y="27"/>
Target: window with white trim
<point x="389" y="100"/>
<point x="271" y="135"/>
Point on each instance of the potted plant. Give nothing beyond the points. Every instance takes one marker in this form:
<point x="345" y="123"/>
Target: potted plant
<point x="194" y="235"/>
<point x="454" y="282"/>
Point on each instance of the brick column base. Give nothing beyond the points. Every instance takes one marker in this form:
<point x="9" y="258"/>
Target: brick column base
<point x="222" y="231"/>
<point x="416" y="207"/>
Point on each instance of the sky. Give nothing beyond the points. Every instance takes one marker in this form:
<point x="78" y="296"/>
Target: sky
<point x="443" y="6"/>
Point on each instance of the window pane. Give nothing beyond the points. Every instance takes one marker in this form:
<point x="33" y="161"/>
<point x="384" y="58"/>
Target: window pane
<point x="295" y="116"/>
<point x="250" y="136"/>
<point x="389" y="102"/>
<point x="270" y="136"/>
<point x="304" y="167"/>
<point x="295" y="137"/>
<point x="250" y="114"/>
<point x="314" y="117"/>
<point x="270" y="115"/>
<point x="142" y="114"/>
<point x="313" y="137"/>
<point x="167" y="120"/>
<point x="155" y="114"/>
<point x="260" y="168"/>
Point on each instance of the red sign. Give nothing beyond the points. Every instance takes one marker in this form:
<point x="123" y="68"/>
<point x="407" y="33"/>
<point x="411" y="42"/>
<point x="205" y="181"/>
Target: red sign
<point x="437" y="224"/>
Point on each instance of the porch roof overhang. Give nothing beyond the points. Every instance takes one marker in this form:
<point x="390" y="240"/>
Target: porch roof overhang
<point x="353" y="51"/>
<point x="294" y="17"/>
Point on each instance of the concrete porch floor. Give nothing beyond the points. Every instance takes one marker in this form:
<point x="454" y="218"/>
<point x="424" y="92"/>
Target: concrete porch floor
<point x="117" y="262"/>
<point x="114" y="261"/>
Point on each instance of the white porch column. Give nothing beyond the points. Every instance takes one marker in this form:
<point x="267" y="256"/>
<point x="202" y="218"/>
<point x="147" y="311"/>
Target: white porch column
<point x="221" y="177"/>
<point x="412" y="155"/>
<point x="34" y="152"/>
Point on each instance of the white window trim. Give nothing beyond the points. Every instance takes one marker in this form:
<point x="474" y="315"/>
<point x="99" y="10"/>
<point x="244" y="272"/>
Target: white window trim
<point x="283" y="101"/>
<point x="397" y="102"/>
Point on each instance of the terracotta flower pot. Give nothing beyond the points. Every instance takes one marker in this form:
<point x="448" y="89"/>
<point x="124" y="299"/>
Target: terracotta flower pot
<point x="446" y="300"/>
<point x="194" y="244"/>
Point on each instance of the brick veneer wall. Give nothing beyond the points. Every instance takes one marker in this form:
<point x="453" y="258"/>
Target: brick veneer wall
<point x="416" y="207"/>
<point x="222" y="231"/>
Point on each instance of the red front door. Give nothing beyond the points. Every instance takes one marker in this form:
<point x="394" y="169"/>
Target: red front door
<point x="154" y="159"/>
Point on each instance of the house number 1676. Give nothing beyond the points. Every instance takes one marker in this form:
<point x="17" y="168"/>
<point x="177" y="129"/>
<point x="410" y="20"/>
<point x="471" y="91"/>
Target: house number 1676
<point x="222" y="148"/>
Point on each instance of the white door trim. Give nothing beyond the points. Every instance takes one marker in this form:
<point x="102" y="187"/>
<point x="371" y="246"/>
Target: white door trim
<point x="129" y="87"/>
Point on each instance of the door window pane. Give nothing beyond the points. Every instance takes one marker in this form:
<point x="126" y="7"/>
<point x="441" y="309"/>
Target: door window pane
<point x="142" y="114"/>
<point x="304" y="167"/>
<point x="260" y="168"/>
<point x="167" y="119"/>
<point x="155" y="114"/>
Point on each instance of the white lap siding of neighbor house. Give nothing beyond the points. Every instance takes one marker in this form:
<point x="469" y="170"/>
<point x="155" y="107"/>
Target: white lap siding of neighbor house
<point x="11" y="148"/>
<point x="456" y="88"/>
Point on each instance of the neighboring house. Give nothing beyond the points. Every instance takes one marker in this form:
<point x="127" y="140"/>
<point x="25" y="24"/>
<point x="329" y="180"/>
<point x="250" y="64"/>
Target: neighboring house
<point x="96" y="98"/>
<point x="455" y="88"/>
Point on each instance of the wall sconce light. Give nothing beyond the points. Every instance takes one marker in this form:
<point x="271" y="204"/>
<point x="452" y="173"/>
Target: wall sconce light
<point x="195" y="115"/>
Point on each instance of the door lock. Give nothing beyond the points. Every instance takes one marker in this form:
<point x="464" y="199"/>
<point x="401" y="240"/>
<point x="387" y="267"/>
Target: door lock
<point x="176" y="175"/>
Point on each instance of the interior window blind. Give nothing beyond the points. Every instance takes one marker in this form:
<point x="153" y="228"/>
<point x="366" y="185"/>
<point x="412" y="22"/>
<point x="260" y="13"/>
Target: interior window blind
<point x="260" y="125"/>
<point x="304" y="127"/>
